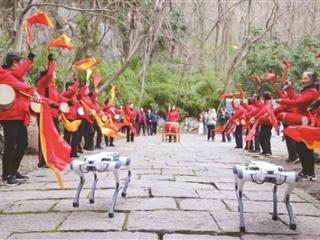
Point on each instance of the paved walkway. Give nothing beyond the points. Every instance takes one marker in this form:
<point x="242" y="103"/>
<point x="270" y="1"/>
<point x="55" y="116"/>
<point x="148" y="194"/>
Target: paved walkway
<point x="178" y="191"/>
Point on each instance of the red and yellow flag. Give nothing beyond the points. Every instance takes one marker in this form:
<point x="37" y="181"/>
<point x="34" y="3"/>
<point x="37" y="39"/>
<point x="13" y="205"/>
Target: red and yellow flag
<point x="70" y="126"/>
<point x="37" y="18"/>
<point x="96" y="78"/>
<point x="85" y="63"/>
<point x="55" y="150"/>
<point x="61" y="42"/>
<point x="113" y="92"/>
<point x="309" y="135"/>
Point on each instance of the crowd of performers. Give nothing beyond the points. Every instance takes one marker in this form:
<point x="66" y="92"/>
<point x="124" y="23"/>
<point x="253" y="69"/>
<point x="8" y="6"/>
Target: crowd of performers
<point x="84" y="120"/>
<point x="298" y="112"/>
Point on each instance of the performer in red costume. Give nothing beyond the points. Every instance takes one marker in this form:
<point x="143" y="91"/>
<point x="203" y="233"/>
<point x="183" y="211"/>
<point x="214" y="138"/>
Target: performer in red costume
<point x="15" y="119"/>
<point x="300" y="104"/>
<point x="172" y="116"/>
<point x="47" y="88"/>
<point x="129" y="117"/>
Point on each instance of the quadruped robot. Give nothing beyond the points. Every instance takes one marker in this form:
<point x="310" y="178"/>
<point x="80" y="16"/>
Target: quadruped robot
<point x="263" y="172"/>
<point x="98" y="163"/>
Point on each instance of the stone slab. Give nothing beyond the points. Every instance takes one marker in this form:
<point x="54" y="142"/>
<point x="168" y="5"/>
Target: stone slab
<point x="171" y="221"/>
<point x="93" y="221"/>
<point x="31" y="206"/>
<point x="198" y="237"/>
<point x="86" y="235"/>
<point x="31" y="222"/>
<point x="202" y="205"/>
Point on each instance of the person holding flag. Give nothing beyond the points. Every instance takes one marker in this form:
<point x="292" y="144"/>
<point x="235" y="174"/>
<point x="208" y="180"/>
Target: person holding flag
<point x="47" y="88"/>
<point x="71" y="131"/>
<point x="129" y="117"/>
<point x="15" y="119"/>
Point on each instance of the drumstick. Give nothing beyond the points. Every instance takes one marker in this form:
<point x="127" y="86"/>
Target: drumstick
<point x="25" y="94"/>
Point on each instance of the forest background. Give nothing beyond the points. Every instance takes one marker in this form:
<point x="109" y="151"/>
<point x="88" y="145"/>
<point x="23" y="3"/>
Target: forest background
<point x="161" y="52"/>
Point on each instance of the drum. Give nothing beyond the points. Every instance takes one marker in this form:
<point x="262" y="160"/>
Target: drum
<point x="80" y="111"/>
<point x="104" y="118"/>
<point x="116" y="116"/>
<point x="7" y="96"/>
<point x="64" y="108"/>
<point x="35" y="107"/>
<point x="92" y="112"/>
<point x="171" y="127"/>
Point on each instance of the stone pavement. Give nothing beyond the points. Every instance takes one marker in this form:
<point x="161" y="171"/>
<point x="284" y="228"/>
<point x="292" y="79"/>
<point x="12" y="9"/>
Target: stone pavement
<point x="178" y="191"/>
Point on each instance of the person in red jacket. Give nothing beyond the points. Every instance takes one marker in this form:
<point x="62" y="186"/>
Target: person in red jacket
<point x="47" y="88"/>
<point x="14" y="121"/>
<point x="129" y="116"/>
<point x="111" y="112"/>
<point x="72" y="137"/>
<point x="172" y="116"/>
<point x="300" y="103"/>
<point x="86" y="127"/>
<point x="94" y="96"/>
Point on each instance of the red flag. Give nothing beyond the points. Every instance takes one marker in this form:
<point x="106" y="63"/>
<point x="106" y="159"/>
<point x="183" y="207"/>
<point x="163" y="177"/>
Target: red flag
<point x="85" y="63"/>
<point x="96" y="79"/>
<point x="270" y="76"/>
<point x="309" y="135"/>
<point x="55" y="150"/>
<point x="37" y="18"/>
<point x="254" y="77"/>
<point x="61" y="42"/>
<point x="228" y="94"/>
<point x="286" y="66"/>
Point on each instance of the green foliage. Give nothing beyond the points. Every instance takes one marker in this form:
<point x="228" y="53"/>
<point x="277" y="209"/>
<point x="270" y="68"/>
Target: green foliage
<point x="267" y="56"/>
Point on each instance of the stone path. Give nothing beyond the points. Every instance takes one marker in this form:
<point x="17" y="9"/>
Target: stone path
<point x="178" y="191"/>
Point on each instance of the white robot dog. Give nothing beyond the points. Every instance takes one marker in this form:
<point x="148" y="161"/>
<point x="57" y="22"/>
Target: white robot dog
<point x="260" y="172"/>
<point x="102" y="162"/>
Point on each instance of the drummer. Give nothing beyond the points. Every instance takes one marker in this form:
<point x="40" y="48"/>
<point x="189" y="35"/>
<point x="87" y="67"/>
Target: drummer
<point x="72" y="138"/>
<point x="172" y="116"/>
<point x="94" y="97"/>
<point x="14" y="120"/>
<point x="112" y="112"/>
<point x="47" y="88"/>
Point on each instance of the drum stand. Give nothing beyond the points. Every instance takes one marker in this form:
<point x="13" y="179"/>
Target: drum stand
<point x="102" y="162"/>
<point x="175" y="135"/>
<point x="260" y="172"/>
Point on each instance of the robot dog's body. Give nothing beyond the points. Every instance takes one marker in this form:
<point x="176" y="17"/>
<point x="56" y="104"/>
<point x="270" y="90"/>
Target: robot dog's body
<point x="102" y="162"/>
<point x="260" y="172"/>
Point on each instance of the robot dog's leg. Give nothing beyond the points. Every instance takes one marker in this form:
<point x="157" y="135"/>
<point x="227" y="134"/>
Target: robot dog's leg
<point x="275" y="202"/>
<point x="125" y="187"/>
<point x="93" y="188"/>
<point x="79" y="188"/>
<point x="290" y="188"/>
<point x="115" y="193"/>
<point x="126" y="162"/>
<point x="240" y="202"/>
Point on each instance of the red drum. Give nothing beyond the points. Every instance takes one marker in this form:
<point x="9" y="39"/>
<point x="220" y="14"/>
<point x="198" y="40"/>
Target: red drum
<point x="7" y="96"/>
<point x="171" y="127"/>
<point x="293" y="119"/>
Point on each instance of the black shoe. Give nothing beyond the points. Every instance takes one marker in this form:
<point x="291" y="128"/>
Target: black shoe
<point x="302" y="175"/>
<point x="98" y="147"/>
<point x="12" y="180"/>
<point x="80" y="151"/>
<point x="42" y="165"/>
<point x="112" y="145"/>
<point x="21" y="177"/>
<point x="75" y="155"/>
<point x="88" y="148"/>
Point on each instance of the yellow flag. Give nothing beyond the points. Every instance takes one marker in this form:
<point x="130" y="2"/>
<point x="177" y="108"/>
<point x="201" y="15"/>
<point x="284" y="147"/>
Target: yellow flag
<point x="70" y="126"/>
